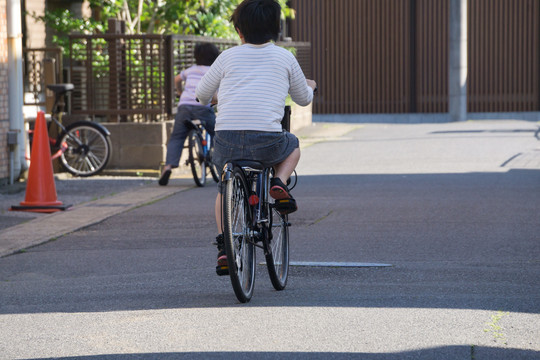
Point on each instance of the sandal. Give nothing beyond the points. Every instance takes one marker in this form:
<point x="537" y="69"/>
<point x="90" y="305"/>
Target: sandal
<point x="164" y="179"/>
<point x="278" y="190"/>
<point x="222" y="267"/>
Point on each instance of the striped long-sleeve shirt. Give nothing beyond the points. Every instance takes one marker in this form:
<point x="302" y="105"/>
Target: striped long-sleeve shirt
<point x="253" y="82"/>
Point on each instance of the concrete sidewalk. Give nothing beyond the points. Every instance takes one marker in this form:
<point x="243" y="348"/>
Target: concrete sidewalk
<point x="97" y="198"/>
<point x="50" y="226"/>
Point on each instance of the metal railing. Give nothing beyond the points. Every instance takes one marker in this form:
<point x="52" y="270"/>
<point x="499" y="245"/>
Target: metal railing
<point x="118" y="77"/>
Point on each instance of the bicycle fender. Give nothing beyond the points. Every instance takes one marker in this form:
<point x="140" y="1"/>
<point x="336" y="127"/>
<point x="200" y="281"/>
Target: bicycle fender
<point x="91" y="124"/>
<point x="105" y="130"/>
<point x="227" y="172"/>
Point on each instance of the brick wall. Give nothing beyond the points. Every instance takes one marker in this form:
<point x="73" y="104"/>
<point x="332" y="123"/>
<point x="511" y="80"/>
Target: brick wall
<point x="4" y="117"/>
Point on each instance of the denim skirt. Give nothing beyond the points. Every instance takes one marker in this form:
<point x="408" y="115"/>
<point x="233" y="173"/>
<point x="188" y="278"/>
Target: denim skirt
<point x="269" y="148"/>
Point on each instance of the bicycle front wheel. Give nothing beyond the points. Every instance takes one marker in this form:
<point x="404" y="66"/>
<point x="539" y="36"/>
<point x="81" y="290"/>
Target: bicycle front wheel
<point x="196" y="158"/>
<point x="238" y="243"/>
<point x="277" y="250"/>
<point x="87" y="149"/>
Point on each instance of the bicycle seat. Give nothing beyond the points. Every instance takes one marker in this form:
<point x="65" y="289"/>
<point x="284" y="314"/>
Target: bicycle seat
<point x="60" y="89"/>
<point x="249" y="163"/>
<point x="192" y="124"/>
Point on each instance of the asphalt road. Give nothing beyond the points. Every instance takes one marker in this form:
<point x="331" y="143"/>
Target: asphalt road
<point x="453" y="209"/>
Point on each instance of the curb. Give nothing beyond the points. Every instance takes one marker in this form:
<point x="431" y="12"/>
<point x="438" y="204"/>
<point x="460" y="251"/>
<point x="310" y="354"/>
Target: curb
<point x="320" y="132"/>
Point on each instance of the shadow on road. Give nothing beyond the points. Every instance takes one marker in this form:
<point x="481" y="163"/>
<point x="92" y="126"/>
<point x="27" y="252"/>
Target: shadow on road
<point x="450" y="352"/>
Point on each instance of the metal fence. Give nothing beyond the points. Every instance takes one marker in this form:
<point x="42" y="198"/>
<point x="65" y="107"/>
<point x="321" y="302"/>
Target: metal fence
<point x="118" y="77"/>
<point x="122" y="78"/>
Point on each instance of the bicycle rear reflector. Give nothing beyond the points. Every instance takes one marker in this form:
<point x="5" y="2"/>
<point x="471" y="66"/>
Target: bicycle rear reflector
<point x="253" y="200"/>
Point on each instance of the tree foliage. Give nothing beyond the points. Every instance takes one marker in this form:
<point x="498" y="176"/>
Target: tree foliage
<point x="184" y="17"/>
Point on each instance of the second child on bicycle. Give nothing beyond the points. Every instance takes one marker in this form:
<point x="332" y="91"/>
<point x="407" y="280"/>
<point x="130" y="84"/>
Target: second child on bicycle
<point x="188" y="107"/>
<point x="254" y="80"/>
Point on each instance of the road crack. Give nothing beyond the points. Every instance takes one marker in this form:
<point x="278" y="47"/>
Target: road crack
<point x="321" y="218"/>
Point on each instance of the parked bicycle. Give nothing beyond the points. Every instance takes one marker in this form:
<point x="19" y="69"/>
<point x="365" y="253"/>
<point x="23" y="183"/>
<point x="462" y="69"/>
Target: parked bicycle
<point x="84" y="147"/>
<point x="200" y="153"/>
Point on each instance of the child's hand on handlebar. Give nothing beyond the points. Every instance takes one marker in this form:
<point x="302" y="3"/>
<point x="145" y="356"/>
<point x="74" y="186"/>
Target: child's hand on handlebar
<point x="311" y="83"/>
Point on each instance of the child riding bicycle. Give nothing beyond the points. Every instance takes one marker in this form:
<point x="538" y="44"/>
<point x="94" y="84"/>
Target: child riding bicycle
<point x="188" y="107"/>
<point x="254" y="80"/>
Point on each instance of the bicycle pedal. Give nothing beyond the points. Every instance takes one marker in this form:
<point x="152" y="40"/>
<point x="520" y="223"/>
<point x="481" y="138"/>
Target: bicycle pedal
<point x="284" y="202"/>
<point x="285" y="206"/>
<point x="222" y="270"/>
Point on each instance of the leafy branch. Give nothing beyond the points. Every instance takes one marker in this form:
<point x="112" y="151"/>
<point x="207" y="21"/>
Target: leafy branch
<point x="185" y="17"/>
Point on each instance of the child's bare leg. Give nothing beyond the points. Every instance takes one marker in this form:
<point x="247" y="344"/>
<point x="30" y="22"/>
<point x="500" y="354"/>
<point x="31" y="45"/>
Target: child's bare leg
<point x="218" y="213"/>
<point x="285" y="169"/>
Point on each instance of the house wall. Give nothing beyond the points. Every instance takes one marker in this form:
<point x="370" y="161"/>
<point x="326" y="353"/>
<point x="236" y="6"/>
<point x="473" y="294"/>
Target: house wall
<point x="34" y="31"/>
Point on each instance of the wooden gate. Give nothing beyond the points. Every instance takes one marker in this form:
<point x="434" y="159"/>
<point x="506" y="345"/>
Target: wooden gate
<point x="391" y="56"/>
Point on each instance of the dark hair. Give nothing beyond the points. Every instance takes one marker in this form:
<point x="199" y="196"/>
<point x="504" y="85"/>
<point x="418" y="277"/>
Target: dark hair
<point x="205" y="53"/>
<point x="258" y="20"/>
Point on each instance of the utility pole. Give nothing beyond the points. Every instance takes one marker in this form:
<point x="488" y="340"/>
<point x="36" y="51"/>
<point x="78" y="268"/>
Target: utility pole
<point x="457" y="69"/>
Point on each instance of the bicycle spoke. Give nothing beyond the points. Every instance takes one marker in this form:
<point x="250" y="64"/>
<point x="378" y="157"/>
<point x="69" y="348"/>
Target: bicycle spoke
<point x="239" y="256"/>
<point x="88" y="162"/>
<point x="240" y="250"/>
<point x="276" y="245"/>
<point x="94" y="160"/>
<point x="244" y="263"/>
<point x="277" y="258"/>
<point x="91" y="139"/>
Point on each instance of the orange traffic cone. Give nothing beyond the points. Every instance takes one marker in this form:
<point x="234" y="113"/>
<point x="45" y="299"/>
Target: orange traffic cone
<point x="40" y="187"/>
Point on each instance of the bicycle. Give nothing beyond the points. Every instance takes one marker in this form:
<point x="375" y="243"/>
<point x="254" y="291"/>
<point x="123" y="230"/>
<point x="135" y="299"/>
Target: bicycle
<point x="251" y="220"/>
<point x="84" y="147"/>
<point x="200" y="153"/>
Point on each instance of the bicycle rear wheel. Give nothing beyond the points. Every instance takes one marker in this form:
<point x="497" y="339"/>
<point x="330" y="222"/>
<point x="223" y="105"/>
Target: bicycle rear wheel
<point x="238" y="244"/>
<point x="196" y="158"/>
<point x="87" y="148"/>
<point x="277" y="250"/>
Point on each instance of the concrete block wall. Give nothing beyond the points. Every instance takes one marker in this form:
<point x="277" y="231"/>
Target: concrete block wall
<point x="301" y="116"/>
<point x="144" y="145"/>
<point x="138" y="145"/>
